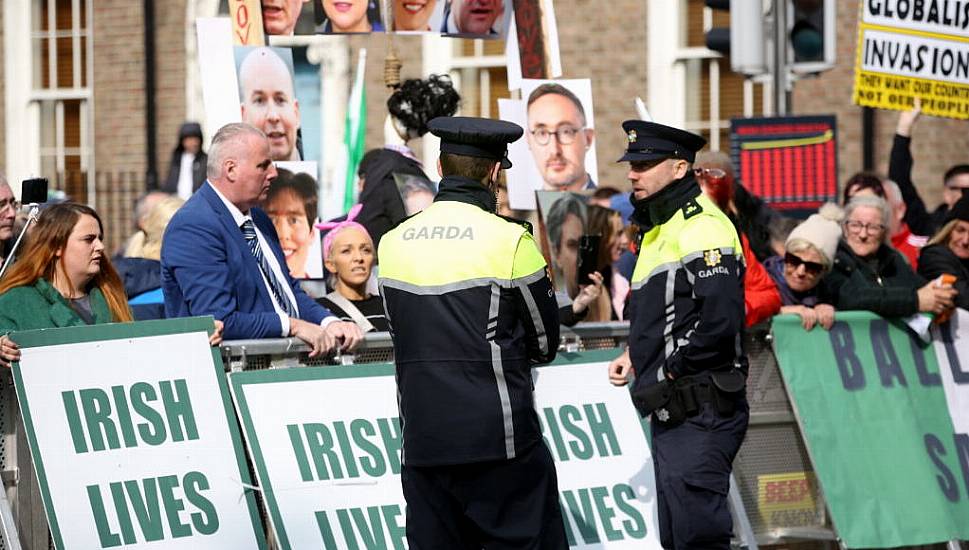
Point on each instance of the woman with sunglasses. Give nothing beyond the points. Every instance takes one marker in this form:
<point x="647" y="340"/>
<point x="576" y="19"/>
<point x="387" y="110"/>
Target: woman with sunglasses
<point x="809" y="253"/>
<point x="870" y="275"/>
<point x="947" y="253"/>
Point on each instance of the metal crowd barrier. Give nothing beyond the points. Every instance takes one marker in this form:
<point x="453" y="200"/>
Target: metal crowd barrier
<point x="773" y="446"/>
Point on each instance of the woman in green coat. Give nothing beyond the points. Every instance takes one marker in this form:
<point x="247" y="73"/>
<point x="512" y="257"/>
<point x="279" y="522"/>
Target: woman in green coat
<point x="62" y="279"/>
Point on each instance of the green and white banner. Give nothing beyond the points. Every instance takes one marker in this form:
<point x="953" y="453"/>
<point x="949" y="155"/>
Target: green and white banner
<point x="872" y="406"/>
<point x="133" y="437"/>
<point x="326" y="445"/>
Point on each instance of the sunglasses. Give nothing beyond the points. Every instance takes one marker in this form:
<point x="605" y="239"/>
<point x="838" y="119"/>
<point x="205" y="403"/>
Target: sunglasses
<point x="709" y="173"/>
<point x="812" y="268"/>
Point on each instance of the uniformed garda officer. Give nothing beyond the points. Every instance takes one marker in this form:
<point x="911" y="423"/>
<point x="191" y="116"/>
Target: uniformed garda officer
<point x="685" y="336"/>
<point x="471" y="310"/>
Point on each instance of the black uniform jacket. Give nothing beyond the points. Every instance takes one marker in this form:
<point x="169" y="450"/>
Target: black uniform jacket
<point x="471" y="309"/>
<point x="687" y="305"/>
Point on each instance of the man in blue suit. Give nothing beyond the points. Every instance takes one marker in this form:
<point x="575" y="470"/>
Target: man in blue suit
<point x="221" y="255"/>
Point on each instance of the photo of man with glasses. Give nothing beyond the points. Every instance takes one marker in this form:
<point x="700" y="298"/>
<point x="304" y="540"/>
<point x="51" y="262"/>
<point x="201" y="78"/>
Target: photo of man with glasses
<point x="559" y="138"/>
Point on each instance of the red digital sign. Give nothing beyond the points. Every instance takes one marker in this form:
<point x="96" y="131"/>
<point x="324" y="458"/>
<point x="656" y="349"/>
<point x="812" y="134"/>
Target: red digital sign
<point x="790" y="162"/>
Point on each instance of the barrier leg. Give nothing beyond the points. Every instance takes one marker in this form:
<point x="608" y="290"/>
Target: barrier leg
<point x="953" y="545"/>
<point x="740" y="520"/>
<point x="8" y="528"/>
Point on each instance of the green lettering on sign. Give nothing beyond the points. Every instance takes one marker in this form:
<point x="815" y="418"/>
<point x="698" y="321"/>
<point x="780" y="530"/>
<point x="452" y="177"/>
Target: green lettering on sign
<point x="373" y="463"/>
<point x="600" y="425"/>
<point x="152" y="431"/>
<point x="329" y="543"/>
<point x="106" y="537"/>
<point x="205" y="521"/>
<point x="320" y="445"/>
<point x="97" y="413"/>
<point x="299" y="451"/>
<point x="179" y="410"/>
<point x="74" y="422"/>
<point x="390" y="434"/>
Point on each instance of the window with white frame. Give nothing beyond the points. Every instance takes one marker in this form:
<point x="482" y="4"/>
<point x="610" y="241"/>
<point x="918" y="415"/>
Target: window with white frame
<point x="478" y="70"/>
<point x="713" y="93"/>
<point x="60" y="40"/>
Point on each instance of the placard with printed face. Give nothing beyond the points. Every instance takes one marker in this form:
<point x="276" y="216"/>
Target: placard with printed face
<point x="326" y="446"/>
<point x="132" y="438"/>
<point x="557" y="152"/>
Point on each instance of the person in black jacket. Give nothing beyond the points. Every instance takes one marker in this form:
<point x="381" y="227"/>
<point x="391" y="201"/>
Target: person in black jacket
<point x="186" y="172"/>
<point x="947" y="253"/>
<point x="411" y="107"/>
<point x="956" y="179"/>
<point x="870" y="275"/>
<point x="471" y="310"/>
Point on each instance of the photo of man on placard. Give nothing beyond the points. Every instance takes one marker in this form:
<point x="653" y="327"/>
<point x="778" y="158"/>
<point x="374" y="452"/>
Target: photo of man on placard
<point x="279" y="16"/>
<point x="473" y="18"/>
<point x="559" y="137"/>
<point x="558" y="152"/>
<point x="267" y="97"/>
<point x="563" y="216"/>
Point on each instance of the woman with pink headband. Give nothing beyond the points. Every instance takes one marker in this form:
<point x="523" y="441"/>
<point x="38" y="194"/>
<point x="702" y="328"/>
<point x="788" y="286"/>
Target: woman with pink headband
<point x="348" y="254"/>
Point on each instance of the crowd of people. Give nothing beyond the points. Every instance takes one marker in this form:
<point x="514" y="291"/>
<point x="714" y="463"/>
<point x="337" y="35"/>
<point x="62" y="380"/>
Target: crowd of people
<point x="688" y="247"/>
<point x="880" y="250"/>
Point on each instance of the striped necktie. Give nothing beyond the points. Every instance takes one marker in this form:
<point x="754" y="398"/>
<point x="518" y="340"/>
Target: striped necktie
<point x="249" y="232"/>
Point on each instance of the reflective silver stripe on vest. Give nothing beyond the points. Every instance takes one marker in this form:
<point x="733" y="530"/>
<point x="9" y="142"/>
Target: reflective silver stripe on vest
<point x="725" y="250"/>
<point x="500" y="376"/>
<point x="536" y="316"/>
<point x="670" y="313"/>
<point x="437" y="290"/>
<point x="400" y="411"/>
<point x="655" y="271"/>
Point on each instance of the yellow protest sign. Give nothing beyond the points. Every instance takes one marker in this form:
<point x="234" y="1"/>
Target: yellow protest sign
<point x="914" y="48"/>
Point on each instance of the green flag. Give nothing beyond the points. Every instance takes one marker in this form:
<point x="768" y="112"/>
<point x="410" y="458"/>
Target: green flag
<point x="355" y="131"/>
<point x="873" y="412"/>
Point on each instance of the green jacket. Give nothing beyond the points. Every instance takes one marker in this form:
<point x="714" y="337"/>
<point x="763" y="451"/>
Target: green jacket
<point x="887" y="285"/>
<point x="42" y="306"/>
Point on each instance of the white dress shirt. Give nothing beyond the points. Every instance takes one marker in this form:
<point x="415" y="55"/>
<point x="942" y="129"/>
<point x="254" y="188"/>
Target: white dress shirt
<point x="239" y="218"/>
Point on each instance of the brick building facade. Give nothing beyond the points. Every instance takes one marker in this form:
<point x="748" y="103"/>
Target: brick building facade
<point x="617" y="49"/>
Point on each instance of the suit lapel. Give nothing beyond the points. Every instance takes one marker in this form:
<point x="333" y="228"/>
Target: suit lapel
<point x="234" y="233"/>
<point x="224" y="216"/>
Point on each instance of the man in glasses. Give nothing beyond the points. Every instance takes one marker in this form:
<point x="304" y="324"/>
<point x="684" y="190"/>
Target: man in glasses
<point x="685" y="351"/>
<point x="8" y="214"/>
<point x="955" y="180"/>
<point x="558" y="138"/>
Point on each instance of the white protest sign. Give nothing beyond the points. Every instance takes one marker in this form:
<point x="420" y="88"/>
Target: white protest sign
<point x="325" y="442"/>
<point x="952" y="350"/>
<point x="132" y="437"/>
<point x="607" y="486"/>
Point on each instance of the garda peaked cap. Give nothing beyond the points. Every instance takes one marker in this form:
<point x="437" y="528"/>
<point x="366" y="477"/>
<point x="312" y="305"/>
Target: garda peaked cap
<point x="652" y="141"/>
<point x="476" y="137"/>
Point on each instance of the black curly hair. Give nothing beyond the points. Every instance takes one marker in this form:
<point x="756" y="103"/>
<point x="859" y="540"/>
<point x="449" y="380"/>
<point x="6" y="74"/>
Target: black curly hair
<point x="418" y="101"/>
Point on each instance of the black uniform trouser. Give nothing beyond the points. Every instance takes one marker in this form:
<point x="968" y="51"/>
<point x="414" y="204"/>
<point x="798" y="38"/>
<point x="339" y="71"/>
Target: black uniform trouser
<point x="505" y="504"/>
<point x="693" y="463"/>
